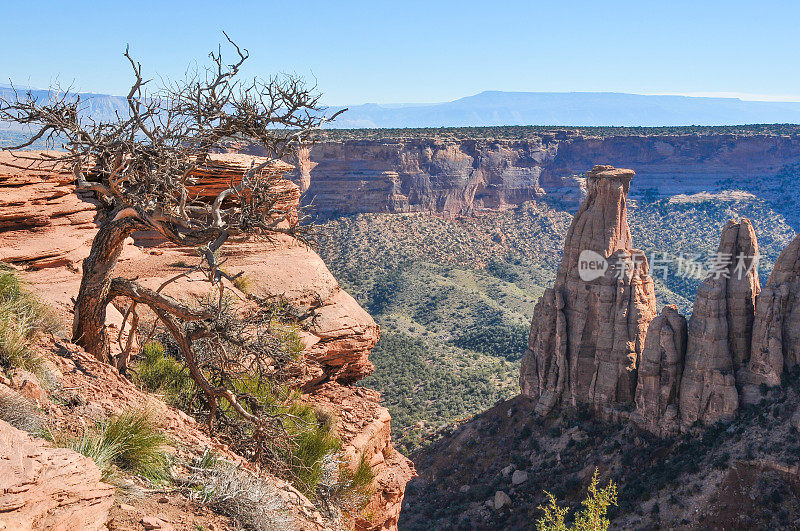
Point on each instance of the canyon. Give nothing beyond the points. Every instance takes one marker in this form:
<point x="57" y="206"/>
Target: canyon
<point x="687" y="412"/>
<point x="684" y="407"/>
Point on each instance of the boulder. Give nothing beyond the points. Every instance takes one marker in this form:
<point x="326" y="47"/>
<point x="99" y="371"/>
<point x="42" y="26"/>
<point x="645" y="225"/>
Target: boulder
<point x="720" y="329"/>
<point x="154" y="523"/>
<point x="501" y="500"/>
<point x="49" y="488"/>
<point x="519" y="477"/>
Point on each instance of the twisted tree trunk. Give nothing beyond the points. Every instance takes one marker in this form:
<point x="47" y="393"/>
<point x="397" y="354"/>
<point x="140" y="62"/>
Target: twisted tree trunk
<point x="88" y="326"/>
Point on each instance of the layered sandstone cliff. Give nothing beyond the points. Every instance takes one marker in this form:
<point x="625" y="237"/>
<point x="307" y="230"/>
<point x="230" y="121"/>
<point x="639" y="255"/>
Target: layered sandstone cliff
<point x="49" y="488"/>
<point x="461" y="175"/>
<point x="587" y="335"/>
<point x="46" y="230"/>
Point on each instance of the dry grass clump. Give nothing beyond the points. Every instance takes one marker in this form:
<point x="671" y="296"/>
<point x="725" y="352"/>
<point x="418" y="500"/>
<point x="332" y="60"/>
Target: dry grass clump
<point x="243" y="284"/>
<point x="21" y="316"/>
<point x="131" y="442"/>
<point x="252" y="502"/>
<point x="20" y="412"/>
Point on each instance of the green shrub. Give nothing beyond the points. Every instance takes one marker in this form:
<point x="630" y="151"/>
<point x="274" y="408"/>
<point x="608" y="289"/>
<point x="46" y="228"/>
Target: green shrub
<point x="132" y="442"/>
<point x="313" y="439"/>
<point x="21" y="315"/>
<point x="158" y="372"/>
<point x="289" y="336"/>
<point x="363" y="477"/>
<point x="353" y="489"/>
<point x="502" y="270"/>
<point x="591" y="518"/>
<point x="310" y="433"/>
<point x="501" y="340"/>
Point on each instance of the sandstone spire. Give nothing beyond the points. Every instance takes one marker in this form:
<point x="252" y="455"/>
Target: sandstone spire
<point x="659" y="375"/>
<point x="587" y="334"/>
<point x="720" y="329"/>
<point x="776" y="332"/>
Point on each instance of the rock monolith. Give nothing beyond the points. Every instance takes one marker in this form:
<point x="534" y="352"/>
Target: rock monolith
<point x="776" y="331"/>
<point x="720" y="329"/>
<point x="588" y="331"/>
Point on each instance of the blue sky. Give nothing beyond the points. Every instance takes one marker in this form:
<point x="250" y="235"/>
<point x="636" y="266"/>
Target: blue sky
<point x="410" y="51"/>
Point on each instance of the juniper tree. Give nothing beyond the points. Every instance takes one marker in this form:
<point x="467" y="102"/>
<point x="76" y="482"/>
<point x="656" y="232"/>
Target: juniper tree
<point x="141" y="166"/>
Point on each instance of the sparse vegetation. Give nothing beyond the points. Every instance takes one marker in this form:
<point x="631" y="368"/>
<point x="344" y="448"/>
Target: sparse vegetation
<point x="426" y="387"/>
<point x="308" y="436"/>
<point x="593" y="516"/>
<point x="522" y="132"/>
<point x="21" y="316"/>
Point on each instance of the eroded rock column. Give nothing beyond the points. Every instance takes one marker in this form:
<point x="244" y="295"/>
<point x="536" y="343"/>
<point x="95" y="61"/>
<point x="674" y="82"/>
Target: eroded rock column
<point x="588" y="331"/>
<point x="659" y="375"/>
<point x="776" y="331"/>
<point x="720" y="329"/>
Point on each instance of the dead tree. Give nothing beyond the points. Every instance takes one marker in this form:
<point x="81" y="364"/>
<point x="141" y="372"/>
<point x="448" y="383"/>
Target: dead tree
<point x="140" y="167"/>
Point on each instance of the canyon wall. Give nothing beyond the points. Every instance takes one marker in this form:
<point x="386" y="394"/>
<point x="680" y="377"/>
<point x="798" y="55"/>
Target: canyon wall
<point x="459" y="176"/>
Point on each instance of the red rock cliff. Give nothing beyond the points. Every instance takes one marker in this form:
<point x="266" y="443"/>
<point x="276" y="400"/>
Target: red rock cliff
<point x="46" y="230"/>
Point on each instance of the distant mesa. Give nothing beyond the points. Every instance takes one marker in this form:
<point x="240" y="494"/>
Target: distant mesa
<point x="570" y="108"/>
<point x="499" y="108"/>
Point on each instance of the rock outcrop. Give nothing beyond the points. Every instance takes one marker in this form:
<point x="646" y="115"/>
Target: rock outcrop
<point x="365" y="430"/>
<point x="720" y="329"/>
<point x="660" y="371"/>
<point x="776" y="332"/>
<point x="595" y="340"/>
<point x="588" y="331"/>
<point x="47" y="231"/>
<point x="49" y="488"/>
<point x="43" y="222"/>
